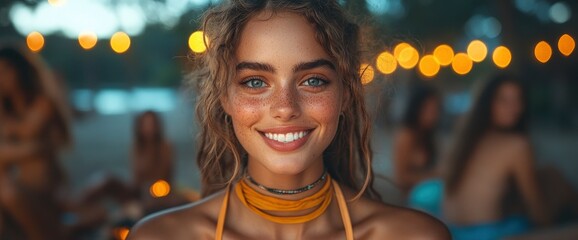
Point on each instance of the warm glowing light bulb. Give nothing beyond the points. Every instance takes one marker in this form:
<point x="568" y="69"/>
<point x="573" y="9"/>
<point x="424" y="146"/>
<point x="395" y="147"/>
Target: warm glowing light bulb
<point x="429" y="66"/>
<point x="398" y="48"/>
<point x="566" y="44"/>
<point x="408" y="58"/>
<point x="160" y="188"/>
<point x="462" y="64"/>
<point x="477" y="51"/>
<point x="386" y="63"/>
<point x="56" y="3"/>
<point x="120" y="42"/>
<point x="197" y="43"/>
<point x="87" y="40"/>
<point x="35" y="41"/>
<point x="367" y="73"/>
<point x="444" y="54"/>
<point x="543" y="52"/>
<point x="121" y="233"/>
<point x="502" y="57"/>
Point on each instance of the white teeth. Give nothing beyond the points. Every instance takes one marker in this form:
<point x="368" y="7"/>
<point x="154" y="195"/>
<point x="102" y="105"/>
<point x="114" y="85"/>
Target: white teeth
<point x="286" y="138"/>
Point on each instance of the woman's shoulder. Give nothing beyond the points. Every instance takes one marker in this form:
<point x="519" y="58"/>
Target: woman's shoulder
<point x="384" y="221"/>
<point x="192" y="221"/>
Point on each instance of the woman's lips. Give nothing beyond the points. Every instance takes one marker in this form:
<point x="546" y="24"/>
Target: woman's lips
<point x="286" y="139"/>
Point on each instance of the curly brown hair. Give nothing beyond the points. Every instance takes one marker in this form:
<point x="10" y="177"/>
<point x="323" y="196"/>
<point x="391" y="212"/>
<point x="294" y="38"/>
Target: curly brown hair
<point x="220" y="156"/>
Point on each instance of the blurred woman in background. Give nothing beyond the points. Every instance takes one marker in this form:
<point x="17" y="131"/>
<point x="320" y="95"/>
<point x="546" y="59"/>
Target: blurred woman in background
<point x="491" y="169"/>
<point x="33" y="128"/>
<point x="152" y="158"/>
<point x="415" y="149"/>
<point x="152" y="162"/>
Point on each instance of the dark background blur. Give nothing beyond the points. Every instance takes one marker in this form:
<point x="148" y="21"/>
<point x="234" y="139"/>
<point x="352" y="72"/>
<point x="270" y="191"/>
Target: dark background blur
<point x="107" y="89"/>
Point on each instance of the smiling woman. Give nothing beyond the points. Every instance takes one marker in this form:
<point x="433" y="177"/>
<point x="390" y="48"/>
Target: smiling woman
<point x="285" y="133"/>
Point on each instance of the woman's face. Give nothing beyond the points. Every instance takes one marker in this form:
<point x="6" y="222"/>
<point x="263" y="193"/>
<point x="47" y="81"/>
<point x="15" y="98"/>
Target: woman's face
<point x="147" y="126"/>
<point x="429" y="113"/>
<point x="507" y="106"/>
<point x="8" y="77"/>
<point x="286" y="98"/>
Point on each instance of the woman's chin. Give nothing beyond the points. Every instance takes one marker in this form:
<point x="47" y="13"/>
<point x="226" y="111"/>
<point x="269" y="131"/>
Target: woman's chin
<point x="287" y="166"/>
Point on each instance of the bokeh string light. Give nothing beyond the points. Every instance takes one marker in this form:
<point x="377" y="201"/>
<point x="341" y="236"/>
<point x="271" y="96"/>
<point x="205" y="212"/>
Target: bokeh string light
<point x="121" y="233"/>
<point x="462" y="64"/>
<point x="366" y="73"/>
<point x="120" y="42"/>
<point x="444" y="54"/>
<point x="35" y="41"/>
<point x="566" y="45"/>
<point x="404" y="55"/>
<point x="543" y="52"/>
<point x="429" y="66"/>
<point x="87" y="40"/>
<point x="408" y="57"/>
<point x="502" y="57"/>
<point x="160" y="188"/>
<point x="197" y="42"/>
<point x="386" y="63"/>
<point x="56" y="3"/>
<point x="477" y="51"/>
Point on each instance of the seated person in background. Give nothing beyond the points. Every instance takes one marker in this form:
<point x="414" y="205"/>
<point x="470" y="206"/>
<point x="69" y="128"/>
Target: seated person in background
<point x="491" y="187"/>
<point x="33" y="129"/>
<point x="152" y="163"/>
<point x="414" y="149"/>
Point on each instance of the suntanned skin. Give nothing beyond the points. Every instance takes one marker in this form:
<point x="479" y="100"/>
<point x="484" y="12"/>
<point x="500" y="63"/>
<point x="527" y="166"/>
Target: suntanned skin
<point x="410" y="161"/>
<point x="410" y="158"/>
<point x="498" y="158"/>
<point x="285" y="97"/>
<point x="370" y="220"/>
<point x="24" y="135"/>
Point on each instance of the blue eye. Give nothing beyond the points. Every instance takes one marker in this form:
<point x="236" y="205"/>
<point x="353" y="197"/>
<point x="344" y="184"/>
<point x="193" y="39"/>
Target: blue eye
<point x="314" y="82"/>
<point x="255" y="83"/>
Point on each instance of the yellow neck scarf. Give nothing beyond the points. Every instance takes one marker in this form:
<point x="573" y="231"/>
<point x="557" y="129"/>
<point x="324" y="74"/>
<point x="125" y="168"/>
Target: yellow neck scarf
<point x="260" y="203"/>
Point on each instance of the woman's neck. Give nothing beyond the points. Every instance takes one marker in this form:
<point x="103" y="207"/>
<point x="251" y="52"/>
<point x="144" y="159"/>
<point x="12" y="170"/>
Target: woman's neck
<point x="272" y="180"/>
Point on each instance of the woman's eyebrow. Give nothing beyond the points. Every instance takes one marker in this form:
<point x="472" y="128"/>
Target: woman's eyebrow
<point x="257" y="66"/>
<point x="313" y="64"/>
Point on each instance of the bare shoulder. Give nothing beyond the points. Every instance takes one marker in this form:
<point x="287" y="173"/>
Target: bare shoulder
<point x="378" y="220"/>
<point x="191" y="221"/>
<point x="518" y="148"/>
<point x="515" y="141"/>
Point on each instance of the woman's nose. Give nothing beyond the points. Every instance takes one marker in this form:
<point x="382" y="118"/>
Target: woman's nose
<point x="285" y="104"/>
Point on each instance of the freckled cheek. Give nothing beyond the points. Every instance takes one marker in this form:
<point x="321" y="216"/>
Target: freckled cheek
<point x="245" y="111"/>
<point x="324" y="108"/>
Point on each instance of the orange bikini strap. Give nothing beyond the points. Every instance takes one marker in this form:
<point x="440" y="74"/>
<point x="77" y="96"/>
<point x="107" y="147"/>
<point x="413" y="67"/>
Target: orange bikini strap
<point x="344" y="212"/>
<point x="222" y="215"/>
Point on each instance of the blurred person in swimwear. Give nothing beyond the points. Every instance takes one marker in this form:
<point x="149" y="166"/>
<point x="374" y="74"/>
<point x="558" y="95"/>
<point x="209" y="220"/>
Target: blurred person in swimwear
<point x="33" y="128"/>
<point x="283" y="120"/>
<point x="414" y="152"/>
<point x="152" y="161"/>
<point x="491" y="169"/>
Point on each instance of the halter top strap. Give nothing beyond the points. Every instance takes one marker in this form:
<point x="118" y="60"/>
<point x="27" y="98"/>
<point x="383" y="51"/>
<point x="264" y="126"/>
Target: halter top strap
<point x="344" y="211"/>
<point x="340" y="201"/>
<point x="222" y="214"/>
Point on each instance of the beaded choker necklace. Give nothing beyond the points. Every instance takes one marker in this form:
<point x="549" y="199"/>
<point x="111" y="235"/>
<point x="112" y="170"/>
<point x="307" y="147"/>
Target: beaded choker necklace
<point x="262" y="204"/>
<point x="288" y="192"/>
